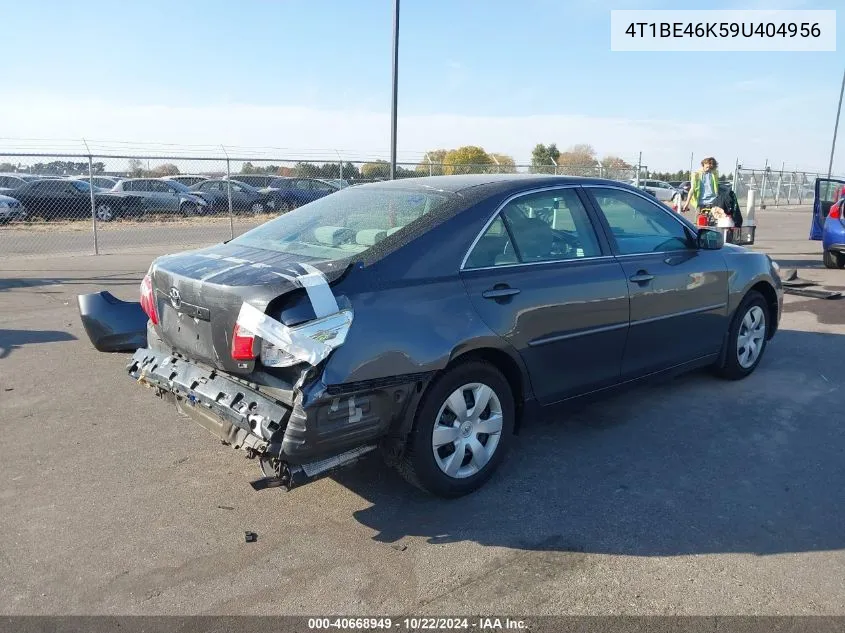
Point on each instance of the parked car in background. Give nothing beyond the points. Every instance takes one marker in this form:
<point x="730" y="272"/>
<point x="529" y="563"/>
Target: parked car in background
<point x="103" y="182"/>
<point x="163" y="196"/>
<point x="663" y="191"/>
<point x="10" y="182"/>
<point x="337" y="182"/>
<point x="259" y="181"/>
<point x="11" y="209"/>
<point x="437" y="312"/>
<point x="244" y="196"/>
<point x="828" y="221"/>
<point x="54" y="198"/>
<point x="188" y="180"/>
<point x="293" y="192"/>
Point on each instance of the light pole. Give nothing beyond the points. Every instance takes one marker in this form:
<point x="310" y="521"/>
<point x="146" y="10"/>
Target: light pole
<point x="395" y="89"/>
<point x="835" y="127"/>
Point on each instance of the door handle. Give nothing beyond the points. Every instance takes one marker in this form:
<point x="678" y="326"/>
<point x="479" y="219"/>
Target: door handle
<point x="500" y="293"/>
<point x="641" y="277"/>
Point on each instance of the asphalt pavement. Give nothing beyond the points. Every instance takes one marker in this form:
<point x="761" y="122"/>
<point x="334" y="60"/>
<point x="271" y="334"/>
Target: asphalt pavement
<point x="696" y="496"/>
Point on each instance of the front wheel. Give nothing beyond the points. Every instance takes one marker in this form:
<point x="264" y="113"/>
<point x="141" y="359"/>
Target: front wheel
<point x="747" y="338"/>
<point x="832" y="259"/>
<point x="463" y="428"/>
<point x="189" y="208"/>
<point x="104" y="212"/>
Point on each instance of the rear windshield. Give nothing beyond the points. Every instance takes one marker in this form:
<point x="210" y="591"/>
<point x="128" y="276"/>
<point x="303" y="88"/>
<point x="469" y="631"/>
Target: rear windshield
<point x="343" y="224"/>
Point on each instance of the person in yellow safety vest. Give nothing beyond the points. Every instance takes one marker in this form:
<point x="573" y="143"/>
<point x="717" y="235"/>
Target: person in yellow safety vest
<point x="704" y="185"/>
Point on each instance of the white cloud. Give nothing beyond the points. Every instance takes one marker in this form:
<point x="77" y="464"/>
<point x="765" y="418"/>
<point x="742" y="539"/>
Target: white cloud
<point x="361" y="135"/>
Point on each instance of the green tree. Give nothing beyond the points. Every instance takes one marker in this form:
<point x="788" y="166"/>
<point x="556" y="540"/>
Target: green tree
<point x="469" y="159"/>
<point x="306" y="170"/>
<point x="435" y="167"/>
<point x="8" y="167"/>
<point x="544" y="158"/>
<point x="377" y="170"/>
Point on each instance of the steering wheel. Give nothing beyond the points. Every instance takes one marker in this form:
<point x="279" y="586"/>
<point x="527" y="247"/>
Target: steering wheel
<point x="565" y="244"/>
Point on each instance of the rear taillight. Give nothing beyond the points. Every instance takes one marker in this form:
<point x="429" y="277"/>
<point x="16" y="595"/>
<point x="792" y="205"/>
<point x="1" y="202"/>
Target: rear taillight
<point x="835" y="212"/>
<point x="243" y="344"/>
<point x="148" y="300"/>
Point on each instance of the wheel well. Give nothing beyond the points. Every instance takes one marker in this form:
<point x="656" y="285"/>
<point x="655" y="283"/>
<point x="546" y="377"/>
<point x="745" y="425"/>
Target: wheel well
<point x="510" y="370"/>
<point x="771" y="298"/>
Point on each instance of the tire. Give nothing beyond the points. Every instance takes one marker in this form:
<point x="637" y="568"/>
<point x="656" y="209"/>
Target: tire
<point x="188" y="209"/>
<point x="104" y="212"/>
<point x="833" y="259"/>
<point x="425" y="466"/>
<point x="746" y="330"/>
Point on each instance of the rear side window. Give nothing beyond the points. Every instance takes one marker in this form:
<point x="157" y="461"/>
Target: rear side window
<point x="494" y="248"/>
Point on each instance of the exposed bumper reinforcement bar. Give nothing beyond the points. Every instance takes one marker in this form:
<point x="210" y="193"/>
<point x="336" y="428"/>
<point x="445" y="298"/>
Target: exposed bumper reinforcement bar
<point x="213" y="400"/>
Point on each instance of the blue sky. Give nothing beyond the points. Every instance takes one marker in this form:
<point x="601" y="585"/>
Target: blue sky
<point x="315" y="75"/>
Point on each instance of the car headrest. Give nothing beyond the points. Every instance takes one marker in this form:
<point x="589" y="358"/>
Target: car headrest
<point x="369" y="237"/>
<point x="333" y="235"/>
<point x="535" y="238"/>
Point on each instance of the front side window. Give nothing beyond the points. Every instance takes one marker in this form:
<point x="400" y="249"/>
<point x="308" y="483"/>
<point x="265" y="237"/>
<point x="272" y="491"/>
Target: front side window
<point x="640" y="226"/>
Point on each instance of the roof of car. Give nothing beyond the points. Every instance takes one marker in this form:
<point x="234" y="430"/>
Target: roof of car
<point x="456" y="184"/>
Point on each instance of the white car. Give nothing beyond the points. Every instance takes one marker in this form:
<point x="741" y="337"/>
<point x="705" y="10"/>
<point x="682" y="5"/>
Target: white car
<point x="663" y="191"/>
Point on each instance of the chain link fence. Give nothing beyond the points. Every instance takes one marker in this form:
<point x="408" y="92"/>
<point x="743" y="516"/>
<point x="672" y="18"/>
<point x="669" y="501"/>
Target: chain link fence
<point x="81" y="204"/>
<point x="776" y="188"/>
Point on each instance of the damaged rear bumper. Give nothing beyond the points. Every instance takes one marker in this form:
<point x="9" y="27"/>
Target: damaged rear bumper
<point x="111" y="324"/>
<point x="241" y="415"/>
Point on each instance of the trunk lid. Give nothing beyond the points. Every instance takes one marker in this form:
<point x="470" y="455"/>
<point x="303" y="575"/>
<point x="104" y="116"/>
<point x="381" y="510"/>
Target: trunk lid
<point x="199" y="294"/>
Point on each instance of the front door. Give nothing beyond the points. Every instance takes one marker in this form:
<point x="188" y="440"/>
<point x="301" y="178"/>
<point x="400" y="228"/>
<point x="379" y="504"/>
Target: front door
<point x="679" y="293"/>
<point x="541" y="277"/>
<point x="827" y="191"/>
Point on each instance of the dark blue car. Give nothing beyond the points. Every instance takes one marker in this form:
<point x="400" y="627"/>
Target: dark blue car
<point x="828" y="224"/>
<point x="289" y="192"/>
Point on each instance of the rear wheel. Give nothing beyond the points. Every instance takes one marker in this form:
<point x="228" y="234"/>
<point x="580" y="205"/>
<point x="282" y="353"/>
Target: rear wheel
<point x="462" y="431"/>
<point x="832" y="259"/>
<point x="746" y="338"/>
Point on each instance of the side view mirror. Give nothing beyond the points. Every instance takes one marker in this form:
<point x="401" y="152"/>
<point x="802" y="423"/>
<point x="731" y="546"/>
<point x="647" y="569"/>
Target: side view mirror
<point x="710" y="240"/>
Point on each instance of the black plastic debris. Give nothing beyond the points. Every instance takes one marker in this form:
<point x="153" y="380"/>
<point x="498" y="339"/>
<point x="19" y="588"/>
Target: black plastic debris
<point x="795" y="285"/>
<point x="226" y="507"/>
<point x="813" y="293"/>
<point x="250" y="537"/>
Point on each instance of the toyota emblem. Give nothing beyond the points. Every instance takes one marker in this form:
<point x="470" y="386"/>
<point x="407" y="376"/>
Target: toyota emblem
<point x="175" y="298"/>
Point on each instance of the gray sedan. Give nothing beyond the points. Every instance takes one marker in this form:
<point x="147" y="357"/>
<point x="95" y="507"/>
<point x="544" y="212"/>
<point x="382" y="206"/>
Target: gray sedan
<point x="430" y="317"/>
<point x="164" y="196"/>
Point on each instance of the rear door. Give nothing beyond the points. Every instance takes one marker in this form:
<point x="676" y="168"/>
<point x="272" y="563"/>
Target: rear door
<point x="543" y="278"/>
<point x="165" y="196"/>
<point x="826" y="193"/>
<point x="678" y="292"/>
